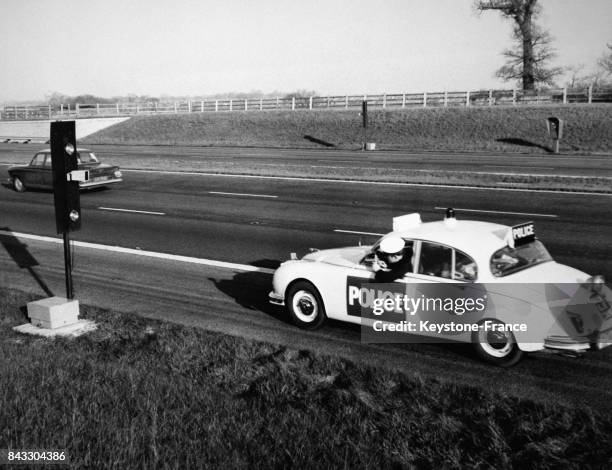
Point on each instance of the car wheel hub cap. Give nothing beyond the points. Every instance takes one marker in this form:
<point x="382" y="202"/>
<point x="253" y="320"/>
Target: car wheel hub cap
<point x="496" y="344"/>
<point x="305" y="306"/>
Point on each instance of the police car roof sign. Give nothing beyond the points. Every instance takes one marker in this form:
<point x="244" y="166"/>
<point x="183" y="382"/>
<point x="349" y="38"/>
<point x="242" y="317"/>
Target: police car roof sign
<point x="520" y="234"/>
<point x="405" y="222"/>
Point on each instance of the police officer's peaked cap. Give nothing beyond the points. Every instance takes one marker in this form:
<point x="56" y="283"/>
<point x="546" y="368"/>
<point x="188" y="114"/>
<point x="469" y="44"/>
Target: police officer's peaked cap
<point x="392" y="245"/>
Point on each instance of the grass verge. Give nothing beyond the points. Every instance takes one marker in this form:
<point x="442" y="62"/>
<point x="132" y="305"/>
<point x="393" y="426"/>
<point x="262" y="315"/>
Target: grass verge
<point x="147" y="394"/>
<point x="516" y="129"/>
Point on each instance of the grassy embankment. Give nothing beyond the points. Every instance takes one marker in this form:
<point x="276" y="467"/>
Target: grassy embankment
<point x="522" y="129"/>
<point x="144" y="394"/>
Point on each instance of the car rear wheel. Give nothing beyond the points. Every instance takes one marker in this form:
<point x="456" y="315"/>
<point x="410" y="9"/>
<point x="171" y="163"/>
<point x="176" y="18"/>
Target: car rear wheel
<point x="496" y="347"/>
<point x="18" y="184"/>
<point x="305" y="306"/>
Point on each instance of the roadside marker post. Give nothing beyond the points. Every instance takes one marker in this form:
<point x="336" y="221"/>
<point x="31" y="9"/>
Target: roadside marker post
<point x="55" y="315"/>
<point x="65" y="189"/>
<point x="364" y="122"/>
<point x="555" y="131"/>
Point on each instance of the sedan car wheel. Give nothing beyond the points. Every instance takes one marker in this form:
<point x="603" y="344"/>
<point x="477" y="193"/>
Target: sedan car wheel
<point x="497" y="347"/>
<point x="18" y="185"/>
<point x="305" y="305"/>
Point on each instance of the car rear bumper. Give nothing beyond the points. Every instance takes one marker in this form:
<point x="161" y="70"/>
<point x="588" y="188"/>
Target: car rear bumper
<point x="94" y="184"/>
<point x="565" y="343"/>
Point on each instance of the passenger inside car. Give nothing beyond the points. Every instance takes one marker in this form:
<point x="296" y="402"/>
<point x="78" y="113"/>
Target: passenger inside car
<point x="436" y="260"/>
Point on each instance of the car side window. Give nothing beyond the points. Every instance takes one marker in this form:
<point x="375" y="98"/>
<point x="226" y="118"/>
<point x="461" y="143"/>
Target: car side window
<point x="436" y="260"/>
<point x="47" y="163"/>
<point x="465" y="267"/>
<point x="38" y="160"/>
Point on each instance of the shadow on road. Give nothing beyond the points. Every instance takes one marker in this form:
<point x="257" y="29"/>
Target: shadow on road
<point x="524" y="143"/>
<point x="18" y="251"/>
<point x="318" y="141"/>
<point x="250" y="290"/>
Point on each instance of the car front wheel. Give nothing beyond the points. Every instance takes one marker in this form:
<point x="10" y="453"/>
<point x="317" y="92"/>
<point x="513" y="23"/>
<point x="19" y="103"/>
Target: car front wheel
<point x="305" y="306"/>
<point x="495" y="346"/>
<point x="18" y="184"/>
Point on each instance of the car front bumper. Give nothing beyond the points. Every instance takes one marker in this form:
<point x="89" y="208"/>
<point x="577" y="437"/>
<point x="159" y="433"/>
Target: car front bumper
<point x="276" y="299"/>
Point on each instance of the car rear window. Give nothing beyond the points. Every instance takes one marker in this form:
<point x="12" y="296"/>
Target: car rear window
<point x="86" y="157"/>
<point x="511" y="260"/>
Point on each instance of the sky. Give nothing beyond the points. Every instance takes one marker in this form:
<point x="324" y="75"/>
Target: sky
<point x="334" y="47"/>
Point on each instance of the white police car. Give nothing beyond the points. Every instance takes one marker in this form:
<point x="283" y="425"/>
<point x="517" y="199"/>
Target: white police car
<point x="492" y="285"/>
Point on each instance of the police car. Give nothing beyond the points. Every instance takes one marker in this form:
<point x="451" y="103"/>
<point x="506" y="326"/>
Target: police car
<point x="491" y="285"/>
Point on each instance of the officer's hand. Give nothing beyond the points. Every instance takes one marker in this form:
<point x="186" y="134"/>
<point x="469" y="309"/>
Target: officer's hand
<point x="381" y="266"/>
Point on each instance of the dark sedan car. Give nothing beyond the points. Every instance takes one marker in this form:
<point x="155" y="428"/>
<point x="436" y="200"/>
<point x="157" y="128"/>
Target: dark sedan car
<point x="38" y="174"/>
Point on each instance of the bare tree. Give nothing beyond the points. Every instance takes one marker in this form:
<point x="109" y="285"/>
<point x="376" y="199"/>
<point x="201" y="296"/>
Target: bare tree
<point x="605" y="62"/>
<point x="580" y="77"/>
<point x="528" y="60"/>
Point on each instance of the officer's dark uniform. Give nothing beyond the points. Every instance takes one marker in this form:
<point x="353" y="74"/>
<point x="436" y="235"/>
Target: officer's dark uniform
<point x="397" y="270"/>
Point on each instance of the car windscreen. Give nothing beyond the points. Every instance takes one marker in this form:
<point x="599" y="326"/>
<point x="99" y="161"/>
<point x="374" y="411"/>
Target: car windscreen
<point x="511" y="260"/>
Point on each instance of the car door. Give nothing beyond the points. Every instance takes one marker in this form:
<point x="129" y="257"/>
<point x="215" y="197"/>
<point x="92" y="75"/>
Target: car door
<point x="32" y="176"/>
<point x="444" y="288"/>
<point x="46" y="173"/>
<point x="364" y="287"/>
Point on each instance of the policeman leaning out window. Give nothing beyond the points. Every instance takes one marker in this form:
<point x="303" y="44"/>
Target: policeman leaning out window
<point x="392" y="259"/>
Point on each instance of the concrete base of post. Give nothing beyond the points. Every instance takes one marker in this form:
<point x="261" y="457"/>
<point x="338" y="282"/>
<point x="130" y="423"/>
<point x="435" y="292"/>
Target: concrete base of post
<point x="55" y="316"/>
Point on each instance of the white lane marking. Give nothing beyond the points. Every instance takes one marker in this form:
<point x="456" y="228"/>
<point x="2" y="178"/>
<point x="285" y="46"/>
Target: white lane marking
<point x="513" y="166"/>
<point x="241" y="194"/>
<point x="374" y="183"/>
<point x="501" y="212"/>
<point x="358" y="233"/>
<point x="148" y="254"/>
<point x="130" y="210"/>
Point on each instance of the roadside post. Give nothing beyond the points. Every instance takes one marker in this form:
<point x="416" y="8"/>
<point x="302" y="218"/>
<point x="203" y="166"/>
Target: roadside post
<point x="58" y="315"/>
<point x="66" y="188"/>
<point x="364" y="122"/>
<point x="555" y="131"/>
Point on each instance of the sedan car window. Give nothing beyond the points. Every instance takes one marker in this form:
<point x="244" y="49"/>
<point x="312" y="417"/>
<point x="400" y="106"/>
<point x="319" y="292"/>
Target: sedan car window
<point x="465" y="267"/>
<point x="38" y="160"/>
<point x="436" y="260"/>
<point x="86" y="157"/>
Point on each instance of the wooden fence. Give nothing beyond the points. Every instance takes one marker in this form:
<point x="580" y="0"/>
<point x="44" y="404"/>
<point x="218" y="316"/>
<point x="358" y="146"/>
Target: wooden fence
<point x="384" y="101"/>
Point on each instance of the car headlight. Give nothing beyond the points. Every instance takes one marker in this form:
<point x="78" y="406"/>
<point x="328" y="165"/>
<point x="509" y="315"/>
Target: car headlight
<point x="117" y="174"/>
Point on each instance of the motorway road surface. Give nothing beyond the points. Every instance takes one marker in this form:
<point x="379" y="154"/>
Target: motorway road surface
<point x="571" y="165"/>
<point x="259" y="221"/>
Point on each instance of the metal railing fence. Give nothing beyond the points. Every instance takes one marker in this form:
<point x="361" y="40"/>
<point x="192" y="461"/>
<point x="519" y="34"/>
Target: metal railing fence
<point x="384" y="101"/>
